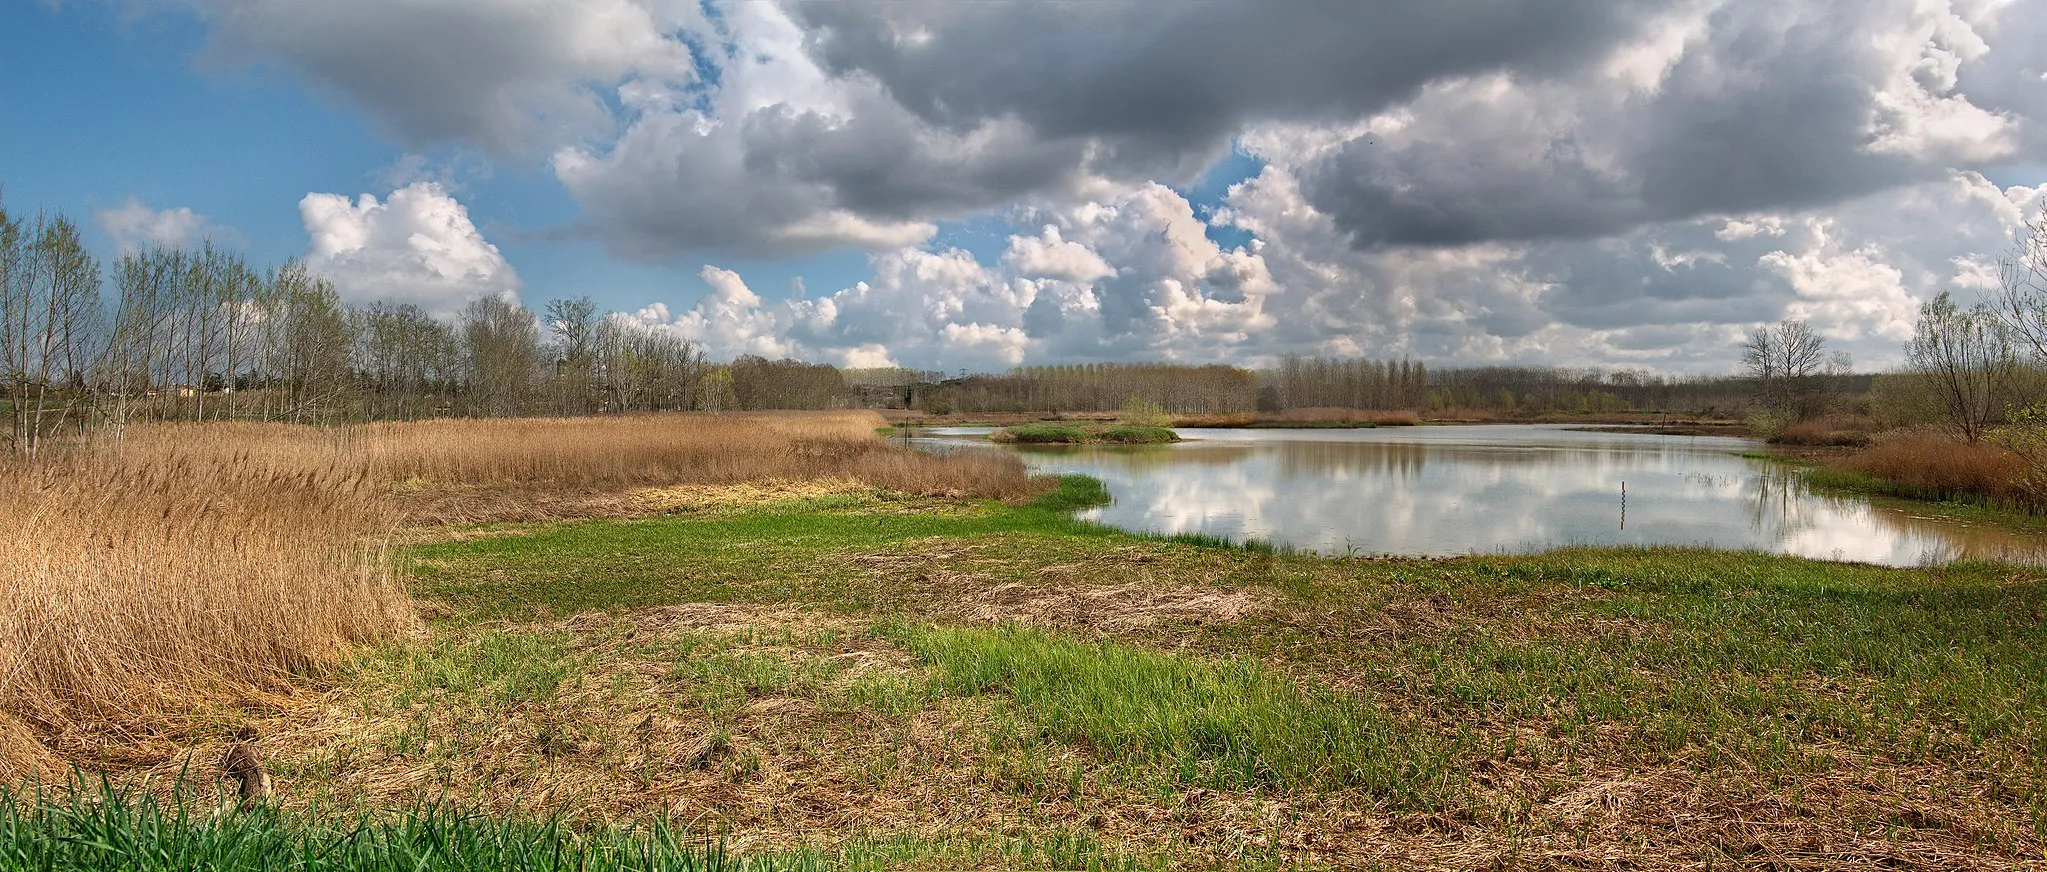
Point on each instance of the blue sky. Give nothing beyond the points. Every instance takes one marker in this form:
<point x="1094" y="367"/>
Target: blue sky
<point x="1223" y="181"/>
<point x="111" y="106"/>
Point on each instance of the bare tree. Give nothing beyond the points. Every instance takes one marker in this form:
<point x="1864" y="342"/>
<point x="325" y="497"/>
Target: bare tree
<point x="1967" y="357"/>
<point x="49" y="306"/>
<point x="1788" y="362"/>
<point x="502" y="340"/>
<point x="574" y="324"/>
<point x="2022" y="296"/>
<point x="309" y="350"/>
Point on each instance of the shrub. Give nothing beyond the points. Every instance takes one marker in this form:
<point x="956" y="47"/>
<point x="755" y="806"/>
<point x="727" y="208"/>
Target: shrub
<point x="1831" y="430"/>
<point x="1140" y="412"/>
<point x="1042" y="434"/>
<point x="1131" y="435"/>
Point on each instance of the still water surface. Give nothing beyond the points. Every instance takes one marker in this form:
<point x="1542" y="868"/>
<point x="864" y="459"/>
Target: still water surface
<point x="1495" y="489"/>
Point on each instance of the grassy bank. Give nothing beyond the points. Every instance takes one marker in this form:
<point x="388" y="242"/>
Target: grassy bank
<point x="112" y="829"/>
<point x="1091" y="434"/>
<point x="840" y="669"/>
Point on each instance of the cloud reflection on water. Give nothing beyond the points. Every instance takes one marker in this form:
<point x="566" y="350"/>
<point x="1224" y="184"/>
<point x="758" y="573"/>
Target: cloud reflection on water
<point x="1459" y="490"/>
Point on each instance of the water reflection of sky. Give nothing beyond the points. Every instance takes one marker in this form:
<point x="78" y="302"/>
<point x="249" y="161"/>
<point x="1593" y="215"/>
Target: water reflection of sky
<point x="1458" y="490"/>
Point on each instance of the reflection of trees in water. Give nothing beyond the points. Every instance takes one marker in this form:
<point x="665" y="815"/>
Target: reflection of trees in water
<point x="1144" y="457"/>
<point x="1782" y="505"/>
<point x="1952" y="540"/>
<point x="1395" y="460"/>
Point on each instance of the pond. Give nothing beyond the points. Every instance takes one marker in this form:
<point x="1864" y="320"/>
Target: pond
<point x="1439" y="491"/>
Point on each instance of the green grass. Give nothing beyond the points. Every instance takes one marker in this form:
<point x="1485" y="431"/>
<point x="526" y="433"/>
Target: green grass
<point x="1068" y="434"/>
<point x="1399" y="678"/>
<point x="1075" y="492"/>
<point x="778" y="554"/>
<point x="109" y="829"/>
<point x="1232" y="723"/>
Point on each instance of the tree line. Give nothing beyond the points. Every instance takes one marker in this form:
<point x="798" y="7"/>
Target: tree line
<point x="199" y="334"/>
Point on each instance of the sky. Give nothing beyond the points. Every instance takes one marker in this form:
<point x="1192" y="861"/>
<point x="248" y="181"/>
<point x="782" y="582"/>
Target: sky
<point x="973" y="186"/>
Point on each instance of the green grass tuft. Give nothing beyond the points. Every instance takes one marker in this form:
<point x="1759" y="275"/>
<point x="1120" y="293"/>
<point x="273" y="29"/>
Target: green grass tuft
<point x="104" y="828"/>
<point x="1067" y="434"/>
<point x="1232" y="723"/>
<point x="1075" y="492"/>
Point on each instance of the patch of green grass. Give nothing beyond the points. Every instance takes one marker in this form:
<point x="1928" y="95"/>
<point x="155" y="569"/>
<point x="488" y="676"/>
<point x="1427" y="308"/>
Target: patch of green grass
<point x="107" y="829"/>
<point x="1068" y="434"/>
<point x="776" y="554"/>
<point x="1769" y="666"/>
<point x="1043" y="434"/>
<point x="1230" y="723"/>
<point x="1958" y="505"/>
<point x="1210" y="540"/>
<point x="505" y="668"/>
<point x="1075" y="492"/>
<point x="1126" y="434"/>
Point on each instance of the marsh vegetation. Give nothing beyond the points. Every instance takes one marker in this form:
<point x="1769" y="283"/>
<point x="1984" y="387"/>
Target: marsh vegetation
<point x="824" y="651"/>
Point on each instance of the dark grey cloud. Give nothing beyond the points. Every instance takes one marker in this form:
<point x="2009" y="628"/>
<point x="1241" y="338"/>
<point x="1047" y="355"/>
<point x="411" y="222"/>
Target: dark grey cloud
<point x="1167" y="76"/>
<point x="1772" y="106"/>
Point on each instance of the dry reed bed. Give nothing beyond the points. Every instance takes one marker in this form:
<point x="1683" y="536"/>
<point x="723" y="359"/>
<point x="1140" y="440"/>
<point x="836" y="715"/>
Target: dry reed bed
<point x="145" y="578"/>
<point x="1941" y="466"/>
<point x="136" y="591"/>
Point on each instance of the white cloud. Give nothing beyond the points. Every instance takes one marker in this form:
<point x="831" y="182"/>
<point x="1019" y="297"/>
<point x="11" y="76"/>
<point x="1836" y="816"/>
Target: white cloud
<point x="1597" y="182"/>
<point x="1048" y="256"/>
<point x="728" y="322"/>
<point x="133" y="225"/>
<point x="417" y="247"/>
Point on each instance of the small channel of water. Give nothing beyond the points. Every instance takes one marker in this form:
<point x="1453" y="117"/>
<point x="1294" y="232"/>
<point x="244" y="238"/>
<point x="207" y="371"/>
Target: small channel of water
<point x="1495" y="489"/>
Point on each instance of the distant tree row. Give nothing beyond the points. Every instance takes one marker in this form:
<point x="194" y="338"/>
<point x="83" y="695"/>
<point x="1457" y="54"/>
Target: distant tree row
<point x="200" y="334"/>
<point x="1353" y="383"/>
<point x="1095" y="387"/>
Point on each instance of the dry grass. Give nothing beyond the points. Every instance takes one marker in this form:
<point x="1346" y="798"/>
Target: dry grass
<point x="1830" y="430"/>
<point x="1933" y="465"/>
<point x="135" y="592"/>
<point x="469" y="471"/>
<point x="180" y="567"/>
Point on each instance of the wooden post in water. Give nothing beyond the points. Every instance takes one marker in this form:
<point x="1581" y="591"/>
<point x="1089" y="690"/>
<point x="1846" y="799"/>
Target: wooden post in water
<point x="1624" y="505"/>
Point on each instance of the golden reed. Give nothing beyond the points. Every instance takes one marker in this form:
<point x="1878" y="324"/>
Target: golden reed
<point x="179" y="566"/>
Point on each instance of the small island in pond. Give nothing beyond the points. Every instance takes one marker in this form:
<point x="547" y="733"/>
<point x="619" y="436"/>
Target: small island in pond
<point x="1085" y="434"/>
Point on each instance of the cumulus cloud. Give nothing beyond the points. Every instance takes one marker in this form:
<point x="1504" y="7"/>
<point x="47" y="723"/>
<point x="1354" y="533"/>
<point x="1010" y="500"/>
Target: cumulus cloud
<point x="417" y="247"/>
<point x="133" y="225"/>
<point x="1591" y="181"/>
